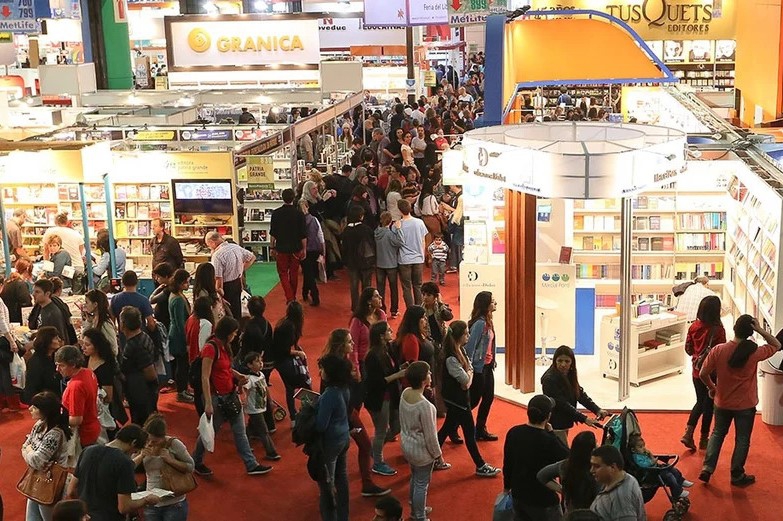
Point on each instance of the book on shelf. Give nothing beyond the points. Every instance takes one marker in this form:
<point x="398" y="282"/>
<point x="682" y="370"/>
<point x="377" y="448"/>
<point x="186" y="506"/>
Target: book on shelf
<point x="246" y="236"/>
<point x="143" y="211"/>
<point x="154" y="210"/>
<point x="120" y="210"/>
<point x="255" y="235"/>
<point x="120" y="192"/>
<point x="133" y="191"/>
<point x="131" y="210"/>
<point x="643" y="243"/>
<point x="144" y="229"/>
<point x="565" y="254"/>
<point x="144" y="192"/>
<point x="165" y="210"/>
<point x="264" y="236"/>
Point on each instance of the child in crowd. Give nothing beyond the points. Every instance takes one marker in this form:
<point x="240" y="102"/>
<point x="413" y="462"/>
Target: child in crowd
<point x="439" y="251"/>
<point x="256" y="403"/>
<point x="645" y="459"/>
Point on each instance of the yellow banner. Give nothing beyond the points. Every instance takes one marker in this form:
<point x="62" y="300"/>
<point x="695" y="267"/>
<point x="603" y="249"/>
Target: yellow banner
<point x="662" y="19"/>
<point x="260" y="170"/>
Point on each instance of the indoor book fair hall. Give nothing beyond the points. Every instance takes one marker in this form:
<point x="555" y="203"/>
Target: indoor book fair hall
<point x="391" y="260"/>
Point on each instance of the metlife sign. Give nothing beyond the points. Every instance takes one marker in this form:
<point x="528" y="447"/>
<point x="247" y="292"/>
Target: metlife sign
<point x="430" y="12"/>
<point x="18" y="16"/>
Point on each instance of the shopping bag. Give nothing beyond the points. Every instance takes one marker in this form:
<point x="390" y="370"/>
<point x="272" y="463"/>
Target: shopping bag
<point x="504" y="508"/>
<point x="321" y="269"/>
<point x="17" y="369"/>
<point x="207" y="432"/>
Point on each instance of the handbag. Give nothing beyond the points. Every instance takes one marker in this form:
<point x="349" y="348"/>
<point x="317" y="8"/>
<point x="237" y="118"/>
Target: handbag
<point x="229" y="405"/>
<point x="43" y="486"/>
<point x="706" y="351"/>
<point x="178" y="482"/>
<point x="300" y="366"/>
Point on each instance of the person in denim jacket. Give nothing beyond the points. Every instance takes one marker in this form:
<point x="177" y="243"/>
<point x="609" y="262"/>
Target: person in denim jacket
<point x="481" y="354"/>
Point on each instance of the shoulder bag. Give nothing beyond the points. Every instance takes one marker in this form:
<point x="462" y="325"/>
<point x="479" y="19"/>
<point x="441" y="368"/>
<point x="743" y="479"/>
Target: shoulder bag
<point x="706" y="351"/>
<point x="44" y="486"/>
<point x="180" y="483"/>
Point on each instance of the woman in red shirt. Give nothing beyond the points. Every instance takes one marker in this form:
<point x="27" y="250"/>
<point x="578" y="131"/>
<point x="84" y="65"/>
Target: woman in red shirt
<point x="412" y="336"/>
<point x="707" y="331"/>
<point x="81" y="394"/>
<point x="221" y="402"/>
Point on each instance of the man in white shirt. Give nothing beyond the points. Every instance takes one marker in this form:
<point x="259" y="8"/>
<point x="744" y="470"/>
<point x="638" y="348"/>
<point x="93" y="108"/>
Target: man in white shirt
<point x="689" y="301"/>
<point x="418" y="115"/>
<point x="419" y="146"/>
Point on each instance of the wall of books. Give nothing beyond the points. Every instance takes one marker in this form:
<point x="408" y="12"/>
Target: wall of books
<point x="679" y="232"/>
<point x="141" y="191"/>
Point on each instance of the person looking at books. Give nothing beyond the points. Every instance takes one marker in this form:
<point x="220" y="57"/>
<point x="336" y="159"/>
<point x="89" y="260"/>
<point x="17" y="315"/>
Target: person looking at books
<point x="163" y="453"/>
<point x="72" y="242"/>
<point x="688" y="302"/>
<point x="59" y="259"/>
<point x="101" y="272"/>
<point x="165" y="248"/>
<point x="230" y="261"/>
<point x="14" y="233"/>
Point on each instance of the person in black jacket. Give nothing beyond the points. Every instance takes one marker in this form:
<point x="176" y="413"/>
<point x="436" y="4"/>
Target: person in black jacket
<point x="528" y="449"/>
<point x="42" y="374"/>
<point x="457" y="373"/>
<point x="560" y="383"/>
<point x="358" y="252"/>
<point x="285" y="347"/>
<point x="382" y="377"/>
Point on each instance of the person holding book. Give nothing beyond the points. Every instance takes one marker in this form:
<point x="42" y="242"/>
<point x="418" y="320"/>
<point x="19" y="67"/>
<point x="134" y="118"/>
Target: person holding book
<point x="101" y="272"/>
<point x="72" y="242"/>
<point x="164" y="247"/>
<point x="59" y="259"/>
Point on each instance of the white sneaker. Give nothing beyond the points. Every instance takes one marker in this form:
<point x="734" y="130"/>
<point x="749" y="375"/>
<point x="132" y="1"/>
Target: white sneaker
<point x="684" y="494"/>
<point x="687" y="484"/>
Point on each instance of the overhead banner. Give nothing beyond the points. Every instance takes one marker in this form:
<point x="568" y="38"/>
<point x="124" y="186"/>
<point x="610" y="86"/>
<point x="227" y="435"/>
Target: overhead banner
<point x="342" y="33"/>
<point x="260" y="172"/>
<point x="228" y="42"/>
<point x="430" y="12"/>
<point x="463" y="12"/>
<point x="662" y="19"/>
<point x="18" y="16"/>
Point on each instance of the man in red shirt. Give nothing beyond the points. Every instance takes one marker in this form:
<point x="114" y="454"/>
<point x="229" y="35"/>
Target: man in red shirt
<point x="734" y="366"/>
<point x="81" y="394"/>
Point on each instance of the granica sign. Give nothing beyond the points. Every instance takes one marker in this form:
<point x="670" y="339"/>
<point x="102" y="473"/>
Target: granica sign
<point x="671" y="15"/>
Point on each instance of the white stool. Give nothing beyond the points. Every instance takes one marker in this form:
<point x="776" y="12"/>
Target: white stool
<point x="543" y="305"/>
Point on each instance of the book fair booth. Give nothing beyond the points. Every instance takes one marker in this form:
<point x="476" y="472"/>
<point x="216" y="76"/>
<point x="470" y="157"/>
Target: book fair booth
<point x="596" y="270"/>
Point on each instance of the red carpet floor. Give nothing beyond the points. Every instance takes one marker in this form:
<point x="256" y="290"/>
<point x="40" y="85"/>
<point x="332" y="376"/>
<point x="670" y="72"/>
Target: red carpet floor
<point x="287" y="493"/>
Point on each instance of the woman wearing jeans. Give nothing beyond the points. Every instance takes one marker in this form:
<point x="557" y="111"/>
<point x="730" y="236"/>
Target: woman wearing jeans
<point x="705" y="332"/>
<point x="456" y="378"/>
<point x="735" y="365"/>
<point x="382" y="393"/>
<point x="332" y="422"/>
<point x="481" y="354"/>
<point x="419" y="437"/>
<point x="217" y="382"/>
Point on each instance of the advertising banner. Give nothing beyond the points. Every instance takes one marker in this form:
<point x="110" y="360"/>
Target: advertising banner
<point x="260" y="172"/>
<point x="225" y="43"/>
<point x="18" y="16"/>
<point x="342" y="33"/>
<point x="555" y="305"/>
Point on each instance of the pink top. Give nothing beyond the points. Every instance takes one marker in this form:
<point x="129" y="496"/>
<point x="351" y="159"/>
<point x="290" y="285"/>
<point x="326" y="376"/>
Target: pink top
<point x="488" y="354"/>
<point x="737" y="389"/>
<point x="360" y="333"/>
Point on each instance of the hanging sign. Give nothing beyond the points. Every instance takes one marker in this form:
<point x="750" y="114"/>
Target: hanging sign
<point x="18" y="16"/>
<point x="260" y="172"/>
<point x="228" y="42"/>
<point x="260" y="147"/>
<point x="206" y="135"/>
<point x="463" y="12"/>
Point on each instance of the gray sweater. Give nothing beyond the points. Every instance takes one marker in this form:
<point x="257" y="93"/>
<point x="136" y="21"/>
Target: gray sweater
<point x="387" y="245"/>
<point x="623" y="502"/>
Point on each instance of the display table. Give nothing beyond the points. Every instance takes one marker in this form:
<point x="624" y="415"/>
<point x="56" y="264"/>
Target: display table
<point x="647" y="362"/>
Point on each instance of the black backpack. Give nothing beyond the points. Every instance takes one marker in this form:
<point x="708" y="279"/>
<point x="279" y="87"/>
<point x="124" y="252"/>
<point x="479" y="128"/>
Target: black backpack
<point x="305" y="433"/>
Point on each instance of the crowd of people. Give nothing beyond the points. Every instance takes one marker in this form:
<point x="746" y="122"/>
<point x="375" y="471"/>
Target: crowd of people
<point x="384" y="218"/>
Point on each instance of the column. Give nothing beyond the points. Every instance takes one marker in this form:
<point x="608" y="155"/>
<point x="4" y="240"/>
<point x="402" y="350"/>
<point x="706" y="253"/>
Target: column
<point x="520" y="290"/>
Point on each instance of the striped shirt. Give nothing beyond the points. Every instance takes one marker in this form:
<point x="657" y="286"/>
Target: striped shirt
<point x="229" y="261"/>
<point x="5" y="323"/>
<point x="439" y="251"/>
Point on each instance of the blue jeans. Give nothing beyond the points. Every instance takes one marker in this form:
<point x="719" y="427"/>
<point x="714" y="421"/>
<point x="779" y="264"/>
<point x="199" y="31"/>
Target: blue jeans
<point x="743" y="428"/>
<point x="420" y="482"/>
<point x="240" y="438"/>
<point x="175" y="512"/>
<point x="334" y="485"/>
<point x="38" y="512"/>
<point x="673" y="479"/>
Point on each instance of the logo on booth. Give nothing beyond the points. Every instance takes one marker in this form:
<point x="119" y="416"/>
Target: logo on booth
<point x="555" y="277"/>
<point x="545" y="277"/>
<point x="199" y="40"/>
<point x="483" y="156"/>
<point x="472" y="276"/>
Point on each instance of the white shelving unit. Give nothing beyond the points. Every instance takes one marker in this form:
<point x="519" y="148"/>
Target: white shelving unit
<point x="649" y="364"/>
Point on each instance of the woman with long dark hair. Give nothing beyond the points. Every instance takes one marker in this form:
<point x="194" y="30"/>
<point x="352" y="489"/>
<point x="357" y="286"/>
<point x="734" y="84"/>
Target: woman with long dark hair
<point x="457" y="376"/>
<point x="577" y="485"/>
<point x="42" y="374"/>
<point x="707" y="331"/>
<point x="101" y="360"/>
<point x="96" y="315"/>
<point x="179" y="311"/>
<point x="47" y="443"/>
<point x="561" y="383"/>
<point x="735" y="365"/>
<point x="368" y="312"/>
<point x="198" y="329"/>
<point x="289" y="358"/>
<point x="481" y="354"/>
<point x="382" y="393"/>
<point x="412" y="335"/>
<point x="204" y="286"/>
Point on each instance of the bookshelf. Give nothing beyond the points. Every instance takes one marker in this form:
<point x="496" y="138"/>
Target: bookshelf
<point x="753" y="242"/>
<point x="40" y="203"/>
<point x="261" y="201"/>
<point x="678" y="234"/>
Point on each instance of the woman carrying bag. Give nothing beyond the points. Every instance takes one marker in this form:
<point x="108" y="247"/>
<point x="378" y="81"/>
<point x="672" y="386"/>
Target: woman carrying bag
<point x="168" y="466"/>
<point x="44" y="450"/>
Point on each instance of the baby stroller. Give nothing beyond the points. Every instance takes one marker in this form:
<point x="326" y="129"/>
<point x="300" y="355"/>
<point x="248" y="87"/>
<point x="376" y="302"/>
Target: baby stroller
<point x="617" y="431"/>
